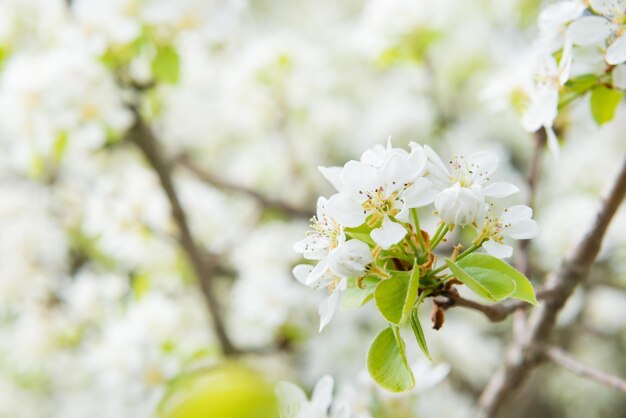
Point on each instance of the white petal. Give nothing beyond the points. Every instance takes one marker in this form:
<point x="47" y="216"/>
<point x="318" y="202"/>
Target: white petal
<point x="317" y="272"/>
<point x="516" y="213"/>
<point x="616" y="53"/>
<point x="301" y="272"/>
<point x="300" y="246"/>
<point x="553" y="143"/>
<point x="350" y="259"/>
<point x="388" y="234"/>
<point x="327" y="309"/>
<point x="619" y="77"/>
<point x="323" y="393"/>
<point x="607" y="7"/>
<point x="436" y="163"/>
<point x="498" y="250"/>
<point x="487" y="162"/>
<point x="345" y="210"/>
<point x="395" y="172"/>
<point x="500" y="189"/>
<point x="560" y="12"/>
<point x="420" y="193"/>
<point x="291" y="398"/>
<point x="589" y="30"/>
<point x="417" y="160"/>
<point x="525" y="229"/>
<point x="333" y="175"/>
<point x="359" y="177"/>
<point x="565" y="64"/>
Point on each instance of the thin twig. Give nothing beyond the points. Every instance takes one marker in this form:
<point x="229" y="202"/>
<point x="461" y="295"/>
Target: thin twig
<point x="145" y="140"/>
<point x="524" y="356"/>
<point x="265" y="201"/>
<point x="562" y="358"/>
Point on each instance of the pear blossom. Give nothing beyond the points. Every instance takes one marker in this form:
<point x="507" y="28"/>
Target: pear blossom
<point x="606" y="27"/>
<point x="294" y="403"/>
<point x="543" y="96"/>
<point x="515" y="222"/>
<point x="465" y="186"/>
<point x="326" y="242"/>
<point x="381" y="188"/>
<point x="348" y="260"/>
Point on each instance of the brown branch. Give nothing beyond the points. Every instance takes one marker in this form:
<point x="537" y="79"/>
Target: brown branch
<point x="203" y="267"/>
<point x="561" y="358"/>
<point x="496" y="312"/>
<point x="265" y="201"/>
<point x="524" y="356"/>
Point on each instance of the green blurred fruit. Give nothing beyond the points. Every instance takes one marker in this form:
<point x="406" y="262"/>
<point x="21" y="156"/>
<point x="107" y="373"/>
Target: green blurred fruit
<point x="224" y="391"/>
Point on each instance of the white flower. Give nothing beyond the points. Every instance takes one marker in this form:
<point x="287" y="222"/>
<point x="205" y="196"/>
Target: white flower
<point x="294" y="403"/>
<point x="543" y="95"/>
<point x="461" y="202"/>
<point x="348" y="260"/>
<point x="385" y="183"/>
<point x="607" y="27"/>
<point x="515" y="222"/>
<point x="327" y="243"/>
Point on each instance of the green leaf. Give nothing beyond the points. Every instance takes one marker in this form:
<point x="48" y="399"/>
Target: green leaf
<point x="419" y="334"/>
<point x="355" y="297"/>
<point x="361" y="233"/>
<point x="396" y="296"/>
<point x="166" y="65"/>
<point x="411" y="294"/>
<point x="484" y="264"/>
<point x="387" y="363"/>
<point x="582" y="83"/>
<point x="390" y="295"/>
<point x="482" y="282"/>
<point x="603" y="104"/>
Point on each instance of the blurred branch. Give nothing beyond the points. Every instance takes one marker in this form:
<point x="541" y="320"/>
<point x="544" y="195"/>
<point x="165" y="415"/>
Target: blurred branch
<point x="525" y="355"/>
<point x="562" y="358"/>
<point x="203" y="267"/>
<point x="265" y="201"/>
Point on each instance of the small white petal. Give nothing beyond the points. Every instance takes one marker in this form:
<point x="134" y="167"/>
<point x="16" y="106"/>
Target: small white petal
<point x="498" y="250"/>
<point x="350" y="259"/>
<point x="487" y="162"/>
<point x="323" y="393"/>
<point x="525" y="229"/>
<point x="333" y="175"/>
<point x="291" y="398"/>
<point x="436" y="163"/>
<point x="345" y="210"/>
<point x="589" y="30"/>
<point x="388" y="234"/>
<point x="359" y="177"/>
<point x="317" y="273"/>
<point x="417" y="160"/>
<point x="395" y="172"/>
<point x="607" y="7"/>
<point x="420" y="193"/>
<point x="301" y="272"/>
<point x="616" y="53"/>
<point x="327" y="309"/>
<point x="516" y="213"/>
<point x="500" y="190"/>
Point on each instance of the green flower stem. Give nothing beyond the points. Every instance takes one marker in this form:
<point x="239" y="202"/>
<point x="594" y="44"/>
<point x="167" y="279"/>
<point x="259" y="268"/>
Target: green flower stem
<point x="418" y="230"/>
<point x="439" y="235"/>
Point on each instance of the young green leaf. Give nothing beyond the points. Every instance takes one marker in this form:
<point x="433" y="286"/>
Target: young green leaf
<point x="411" y="294"/>
<point x="390" y="296"/>
<point x="483" y="282"/>
<point x="419" y="333"/>
<point x="487" y="265"/>
<point x="387" y="363"/>
<point x="166" y="65"/>
<point x="603" y="104"/>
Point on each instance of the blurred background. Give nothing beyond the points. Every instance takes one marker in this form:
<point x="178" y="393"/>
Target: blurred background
<point x="158" y="159"/>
